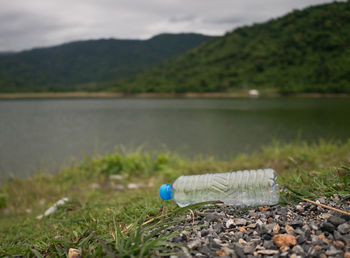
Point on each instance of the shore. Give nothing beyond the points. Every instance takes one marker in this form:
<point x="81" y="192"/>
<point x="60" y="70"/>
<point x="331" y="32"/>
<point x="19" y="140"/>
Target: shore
<point x="109" y="206"/>
<point x="295" y="230"/>
<point x="81" y="94"/>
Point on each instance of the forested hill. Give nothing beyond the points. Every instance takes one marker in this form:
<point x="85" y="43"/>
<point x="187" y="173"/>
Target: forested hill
<point x="304" y="51"/>
<point x="83" y="64"/>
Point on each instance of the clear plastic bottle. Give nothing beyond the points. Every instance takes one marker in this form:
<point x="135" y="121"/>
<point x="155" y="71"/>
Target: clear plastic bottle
<point x="240" y="188"/>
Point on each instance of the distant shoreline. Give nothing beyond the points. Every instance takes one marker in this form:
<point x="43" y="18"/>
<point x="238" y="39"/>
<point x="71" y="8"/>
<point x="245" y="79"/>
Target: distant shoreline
<point x="77" y="95"/>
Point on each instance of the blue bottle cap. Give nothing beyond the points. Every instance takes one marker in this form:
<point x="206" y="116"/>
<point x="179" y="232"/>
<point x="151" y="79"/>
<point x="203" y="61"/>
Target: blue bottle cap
<point x="165" y="192"/>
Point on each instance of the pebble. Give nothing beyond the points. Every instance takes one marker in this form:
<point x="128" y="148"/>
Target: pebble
<point x="344" y="228"/>
<point x="267" y="252"/>
<point x="328" y="227"/>
<point x="194" y="244"/>
<point x="333" y="251"/>
<point x="336" y="221"/>
<point x="252" y="226"/>
<point x="240" y="222"/>
<point x="230" y="223"/>
<point x="132" y="186"/>
<point x="284" y="240"/>
<point x="116" y="177"/>
<point x="74" y="253"/>
<point x="298" y="250"/>
<point x="276" y="231"/>
<point x="248" y="249"/>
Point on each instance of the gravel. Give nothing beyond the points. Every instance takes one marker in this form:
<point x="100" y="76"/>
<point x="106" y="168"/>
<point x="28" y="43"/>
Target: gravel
<point x="302" y="230"/>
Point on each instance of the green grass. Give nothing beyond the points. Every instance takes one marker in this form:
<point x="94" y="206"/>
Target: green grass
<point x="105" y="221"/>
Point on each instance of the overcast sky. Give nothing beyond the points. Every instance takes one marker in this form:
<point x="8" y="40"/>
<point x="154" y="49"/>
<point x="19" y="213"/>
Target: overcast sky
<point x="26" y="24"/>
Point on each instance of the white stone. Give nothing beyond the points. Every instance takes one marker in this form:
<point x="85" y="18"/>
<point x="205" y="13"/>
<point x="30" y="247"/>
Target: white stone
<point x="116" y="177"/>
<point x="325" y="216"/>
<point x="268" y="252"/>
<point x="229" y="223"/>
<point x="53" y="208"/>
<point x="132" y="186"/>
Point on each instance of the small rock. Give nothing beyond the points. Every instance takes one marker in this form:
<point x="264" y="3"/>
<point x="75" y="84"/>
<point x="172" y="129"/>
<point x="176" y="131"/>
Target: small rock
<point x="313" y="226"/>
<point x="240" y="222"/>
<point x="301" y="238"/>
<point x="268" y="244"/>
<point x="238" y="235"/>
<point x="215" y="245"/>
<point x="338" y="243"/>
<point x="248" y="249"/>
<point x="252" y="226"/>
<point x="284" y="250"/>
<point x="336" y="221"/>
<point x="267" y="252"/>
<point x="315" y="239"/>
<point x="298" y="250"/>
<point x="289" y="229"/>
<point x="116" y="177"/>
<point x="344" y="228"/>
<point x="185" y="235"/>
<point x="220" y="253"/>
<point x="296" y="224"/>
<point x="239" y="252"/>
<point x="318" y="247"/>
<point x="259" y="222"/>
<point x="218" y="227"/>
<point x="132" y="186"/>
<point x="242" y="229"/>
<point x="242" y="242"/>
<point x="276" y="229"/>
<point x="217" y="241"/>
<point x="322" y="236"/>
<point x="308" y="234"/>
<point x="333" y="251"/>
<point x="204" y="233"/>
<point x="53" y="208"/>
<point x="284" y="240"/>
<point x="337" y="235"/>
<point x="328" y="227"/>
<point x="299" y="207"/>
<point x="74" y="253"/>
<point x="177" y="239"/>
<point x="325" y="216"/>
<point x="227" y="250"/>
<point x="346" y="217"/>
<point x="270" y="227"/>
<point x="230" y="223"/>
<point x="210" y="217"/>
<point x="194" y="244"/>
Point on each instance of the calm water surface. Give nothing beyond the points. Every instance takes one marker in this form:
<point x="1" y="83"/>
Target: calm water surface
<point x="48" y="133"/>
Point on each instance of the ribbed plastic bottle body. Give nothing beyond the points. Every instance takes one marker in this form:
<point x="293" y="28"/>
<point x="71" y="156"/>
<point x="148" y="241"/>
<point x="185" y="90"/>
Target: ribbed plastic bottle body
<point x="241" y="188"/>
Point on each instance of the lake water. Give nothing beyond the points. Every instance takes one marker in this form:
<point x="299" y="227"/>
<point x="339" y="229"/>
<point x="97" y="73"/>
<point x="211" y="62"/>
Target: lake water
<point x="48" y="133"/>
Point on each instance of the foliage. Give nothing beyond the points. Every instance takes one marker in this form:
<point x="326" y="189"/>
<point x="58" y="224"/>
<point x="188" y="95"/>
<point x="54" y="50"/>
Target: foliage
<point x="104" y="221"/>
<point x="88" y="65"/>
<point x="304" y="51"/>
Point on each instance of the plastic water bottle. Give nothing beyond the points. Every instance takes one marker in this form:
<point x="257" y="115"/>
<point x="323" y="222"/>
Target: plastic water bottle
<point x="241" y="188"/>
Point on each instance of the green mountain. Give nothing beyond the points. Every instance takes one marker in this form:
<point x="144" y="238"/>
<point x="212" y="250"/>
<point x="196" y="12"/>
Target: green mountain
<point x="84" y="64"/>
<point x="304" y="51"/>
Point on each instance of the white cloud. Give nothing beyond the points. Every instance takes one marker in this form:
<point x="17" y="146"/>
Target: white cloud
<point x="26" y="24"/>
